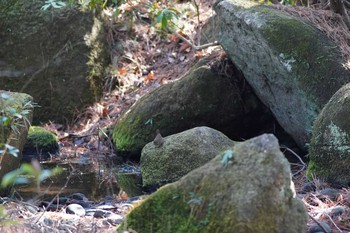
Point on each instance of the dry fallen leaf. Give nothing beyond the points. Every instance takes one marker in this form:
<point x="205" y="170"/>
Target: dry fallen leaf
<point x="150" y="77"/>
<point x="122" y="71"/>
<point x="184" y="47"/>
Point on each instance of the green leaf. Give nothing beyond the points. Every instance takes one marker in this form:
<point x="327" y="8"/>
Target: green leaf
<point x="159" y="17"/>
<point x="12" y="150"/>
<point x="27" y="168"/>
<point x="164" y="23"/>
<point x="149" y="121"/>
<point x="21" y="180"/>
<point x="10" y="177"/>
<point x="44" y="175"/>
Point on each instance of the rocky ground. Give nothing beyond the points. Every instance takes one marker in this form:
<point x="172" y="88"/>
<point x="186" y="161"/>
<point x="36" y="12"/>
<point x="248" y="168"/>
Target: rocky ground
<point x="150" y="60"/>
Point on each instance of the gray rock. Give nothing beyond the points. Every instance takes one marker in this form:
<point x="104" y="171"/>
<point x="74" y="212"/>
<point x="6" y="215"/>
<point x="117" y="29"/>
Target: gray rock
<point x="75" y="209"/>
<point x="248" y="192"/>
<point x="180" y="154"/>
<point x="16" y="136"/>
<point x="63" y="74"/>
<point x="292" y="66"/>
<point x="329" y="151"/>
<point x="202" y="97"/>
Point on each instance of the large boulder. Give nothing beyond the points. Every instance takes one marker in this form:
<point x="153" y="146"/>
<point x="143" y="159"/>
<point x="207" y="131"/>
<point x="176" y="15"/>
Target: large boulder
<point x="329" y="151"/>
<point x="180" y="154"/>
<point x="248" y="190"/>
<point x="201" y="97"/>
<point x="293" y="67"/>
<point x="16" y="116"/>
<point x="58" y="56"/>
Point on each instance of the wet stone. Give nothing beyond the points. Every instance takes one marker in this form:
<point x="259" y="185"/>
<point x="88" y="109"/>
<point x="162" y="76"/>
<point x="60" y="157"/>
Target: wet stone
<point x="75" y="209"/>
<point x="315" y="228"/>
<point x="61" y="200"/>
<point x="78" y="196"/>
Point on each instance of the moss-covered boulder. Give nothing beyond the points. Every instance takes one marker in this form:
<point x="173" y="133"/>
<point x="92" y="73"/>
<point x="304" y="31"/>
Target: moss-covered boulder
<point x="248" y="192"/>
<point x="41" y="144"/>
<point x="58" y="56"/>
<point x="180" y="154"/>
<point x="329" y="150"/>
<point x="293" y="67"/>
<point x="200" y="97"/>
<point x="16" y="116"/>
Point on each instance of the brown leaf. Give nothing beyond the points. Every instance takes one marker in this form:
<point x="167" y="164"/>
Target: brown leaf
<point x="184" y="47"/>
<point x="122" y="71"/>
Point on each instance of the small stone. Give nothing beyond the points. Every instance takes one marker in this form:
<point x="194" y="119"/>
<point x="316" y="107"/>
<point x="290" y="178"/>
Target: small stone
<point x="102" y="213"/>
<point x="84" y="204"/>
<point x="335" y="211"/>
<point x="75" y="209"/>
<point x="308" y="187"/>
<point x="78" y="196"/>
<point x="48" y="222"/>
<point x="330" y="193"/>
<point x="315" y="228"/>
<point x="115" y="219"/>
<point x="61" y="200"/>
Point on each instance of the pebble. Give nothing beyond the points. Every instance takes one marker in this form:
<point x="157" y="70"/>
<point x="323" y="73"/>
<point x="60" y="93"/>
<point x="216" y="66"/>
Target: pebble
<point x="335" y="211"/>
<point x="78" y="196"/>
<point x="308" y="187"/>
<point x="75" y="209"/>
<point x="61" y="200"/>
<point x="84" y="204"/>
<point x="315" y="228"/>
<point x="48" y="222"/>
<point x="330" y="193"/>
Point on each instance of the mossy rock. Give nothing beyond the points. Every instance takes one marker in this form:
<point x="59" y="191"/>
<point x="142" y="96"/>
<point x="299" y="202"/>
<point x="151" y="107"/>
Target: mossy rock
<point x="249" y="192"/>
<point x="18" y="103"/>
<point x="58" y="56"/>
<point x="180" y="154"/>
<point x="41" y="144"/>
<point x="329" y="151"/>
<point x="293" y="67"/>
<point x="131" y="183"/>
<point x="202" y="97"/>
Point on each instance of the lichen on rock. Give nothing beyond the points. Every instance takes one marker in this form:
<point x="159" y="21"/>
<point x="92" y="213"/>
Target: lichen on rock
<point x="253" y="194"/>
<point x="329" y="150"/>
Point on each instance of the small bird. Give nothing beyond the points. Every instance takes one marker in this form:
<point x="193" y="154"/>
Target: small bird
<point x="158" y="140"/>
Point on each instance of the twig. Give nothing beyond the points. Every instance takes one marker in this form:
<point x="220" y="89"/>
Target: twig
<point x="298" y="157"/>
<point x="195" y="47"/>
<point x="330" y="218"/>
<point x="318" y="223"/>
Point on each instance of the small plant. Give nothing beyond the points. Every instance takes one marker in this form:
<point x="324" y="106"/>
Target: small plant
<point x="9" y="117"/>
<point x="53" y="4"/>
<point x="27" y="173"/>
<point x="164" y="17"/>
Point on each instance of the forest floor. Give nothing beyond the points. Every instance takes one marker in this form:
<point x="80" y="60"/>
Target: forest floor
<point x="151" y="59"/>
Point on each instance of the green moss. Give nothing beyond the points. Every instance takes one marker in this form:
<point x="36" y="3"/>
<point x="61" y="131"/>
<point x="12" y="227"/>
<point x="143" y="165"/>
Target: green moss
<point x="41" y="137"/>
<point x="295" y="44"/>
<point x="131" y="183"/>
<point x="168" y="210"/>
